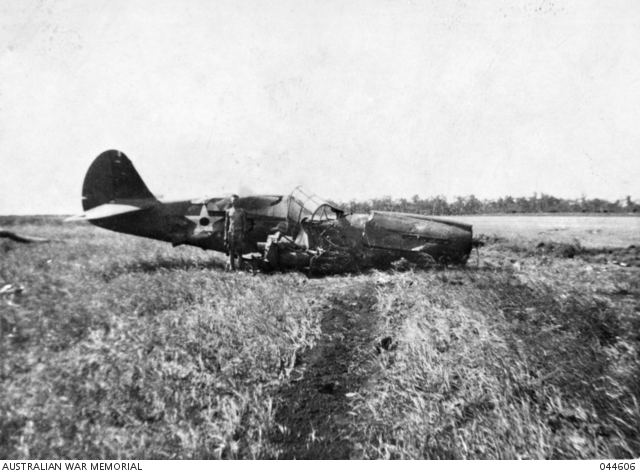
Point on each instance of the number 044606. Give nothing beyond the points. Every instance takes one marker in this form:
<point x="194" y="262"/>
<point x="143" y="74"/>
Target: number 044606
<point x="620" y="466"/>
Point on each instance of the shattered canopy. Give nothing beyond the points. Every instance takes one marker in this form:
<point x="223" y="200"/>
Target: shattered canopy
<point x="304" y="204"/>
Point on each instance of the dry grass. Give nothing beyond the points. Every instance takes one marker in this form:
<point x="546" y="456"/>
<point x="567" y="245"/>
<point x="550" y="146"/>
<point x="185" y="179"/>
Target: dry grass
<point x="502" y="365"/>
<point x="126" y="348"/>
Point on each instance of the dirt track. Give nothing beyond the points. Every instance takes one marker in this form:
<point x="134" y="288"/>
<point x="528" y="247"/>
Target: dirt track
<point x="312" y="411"/>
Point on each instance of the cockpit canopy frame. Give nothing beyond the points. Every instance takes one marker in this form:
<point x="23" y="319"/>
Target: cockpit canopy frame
<point x="303" y="204"/>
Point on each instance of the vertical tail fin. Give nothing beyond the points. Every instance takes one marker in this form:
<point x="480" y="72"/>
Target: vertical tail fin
<point x="111" y="178"/>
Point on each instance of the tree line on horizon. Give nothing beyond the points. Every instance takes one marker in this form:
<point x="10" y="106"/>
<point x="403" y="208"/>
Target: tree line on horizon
<point x="440" y="206"/>
<point x="437" y="206"/>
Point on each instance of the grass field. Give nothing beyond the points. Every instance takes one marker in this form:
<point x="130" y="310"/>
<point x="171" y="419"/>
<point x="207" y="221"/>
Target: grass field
<point x="121" y="347"/>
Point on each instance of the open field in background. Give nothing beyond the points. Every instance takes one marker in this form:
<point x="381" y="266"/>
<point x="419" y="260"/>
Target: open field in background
<point x="121" y="347"/>
<point x="589" y="231"/>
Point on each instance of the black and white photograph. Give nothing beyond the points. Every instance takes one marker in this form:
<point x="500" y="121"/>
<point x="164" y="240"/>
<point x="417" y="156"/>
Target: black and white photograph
<point x="319" y="230"/>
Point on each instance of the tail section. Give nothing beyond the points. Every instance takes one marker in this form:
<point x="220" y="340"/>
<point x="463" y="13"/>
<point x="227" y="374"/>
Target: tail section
<point x="114" y="197"/>
<point x="112" y="179"/>
<point x="112" y="187"/>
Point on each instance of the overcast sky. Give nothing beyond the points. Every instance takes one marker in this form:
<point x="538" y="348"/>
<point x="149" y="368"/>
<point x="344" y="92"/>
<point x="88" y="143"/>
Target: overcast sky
<point x="354" y="99"/>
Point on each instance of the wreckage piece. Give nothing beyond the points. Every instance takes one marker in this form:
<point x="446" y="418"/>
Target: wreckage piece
<point x="280" y="255"/>
<point x="298" y="230"/>
<point x="385" y="236"/>
<point x="9" y="292"/>
<point x="354" y="242"/>
<point x="281" y="252"/>
<point x="21" y="238"/>
<point x="414" y="235"/>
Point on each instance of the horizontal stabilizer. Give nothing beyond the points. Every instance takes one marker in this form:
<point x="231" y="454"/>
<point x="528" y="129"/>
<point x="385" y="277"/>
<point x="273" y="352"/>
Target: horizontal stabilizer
<point x="105" y="210"/>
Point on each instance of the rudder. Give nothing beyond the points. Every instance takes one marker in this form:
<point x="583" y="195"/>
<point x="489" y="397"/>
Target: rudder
<point x="112" y="178"/>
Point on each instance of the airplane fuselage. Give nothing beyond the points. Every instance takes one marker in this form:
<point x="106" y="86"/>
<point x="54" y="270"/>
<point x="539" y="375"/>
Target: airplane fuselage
<point x="116" y="198"/>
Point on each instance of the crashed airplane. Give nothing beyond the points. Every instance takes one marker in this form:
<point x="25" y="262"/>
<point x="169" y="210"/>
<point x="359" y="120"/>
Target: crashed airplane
<point x="298" y="230"/>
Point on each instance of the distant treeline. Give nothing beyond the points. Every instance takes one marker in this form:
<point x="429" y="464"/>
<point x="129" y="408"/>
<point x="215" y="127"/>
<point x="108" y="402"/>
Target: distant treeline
<point x="434" y="206"/>
<point x="439" y="205"/>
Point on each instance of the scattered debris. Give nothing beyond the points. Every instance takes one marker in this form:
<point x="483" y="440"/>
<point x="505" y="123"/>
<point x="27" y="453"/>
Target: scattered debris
<point x="401" y="265"/>
<point x="328" y="388"/>
<point x="621" y="256"/>
<point x="562" y="250"/>
<point x="387" y="344"/>
<point x="10" y="291"/>
<point x="21" y="238"/>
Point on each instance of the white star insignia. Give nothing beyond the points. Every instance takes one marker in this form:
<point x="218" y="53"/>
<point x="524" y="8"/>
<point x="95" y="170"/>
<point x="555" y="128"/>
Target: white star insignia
<point x="203" y="222"/>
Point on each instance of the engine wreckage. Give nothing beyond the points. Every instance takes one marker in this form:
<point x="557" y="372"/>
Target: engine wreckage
<point x="323" y="239"/>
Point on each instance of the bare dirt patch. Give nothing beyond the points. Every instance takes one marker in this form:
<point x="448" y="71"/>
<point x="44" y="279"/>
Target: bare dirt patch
<point x="313" y="409"/>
